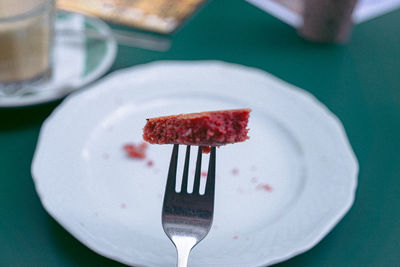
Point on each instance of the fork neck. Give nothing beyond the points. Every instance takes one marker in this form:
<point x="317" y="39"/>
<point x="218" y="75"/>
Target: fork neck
<point x="184" y="245"/>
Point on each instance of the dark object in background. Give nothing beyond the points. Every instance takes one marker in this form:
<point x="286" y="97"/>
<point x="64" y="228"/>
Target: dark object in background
<point x="327" y="20"/>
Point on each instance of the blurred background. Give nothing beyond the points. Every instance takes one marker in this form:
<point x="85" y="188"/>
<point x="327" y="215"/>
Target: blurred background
<point x="346" y="54"/>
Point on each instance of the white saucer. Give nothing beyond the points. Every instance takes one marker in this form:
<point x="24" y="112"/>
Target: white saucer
<point x="277" y="194"/>
<point x="77" y="61"/>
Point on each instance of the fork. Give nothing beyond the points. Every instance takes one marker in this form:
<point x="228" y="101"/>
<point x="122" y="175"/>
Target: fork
<point x="187" y="217"/>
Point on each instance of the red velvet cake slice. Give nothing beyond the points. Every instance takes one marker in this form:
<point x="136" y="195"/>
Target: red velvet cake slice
<point x="212" y="128"/>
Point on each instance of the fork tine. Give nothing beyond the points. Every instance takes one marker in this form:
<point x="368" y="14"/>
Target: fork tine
<point x="210" y="185"/>
<point x="171" y="181"/>
<point x="196" y="186"/>
<point x="185" y="171"/>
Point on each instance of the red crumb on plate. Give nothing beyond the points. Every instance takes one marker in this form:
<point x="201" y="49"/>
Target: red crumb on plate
<point x="150" y="163"/>
<point x="137" y="151"/>
<point x="123" y="206"/>
<point x="235" y="171"/>
<point x="265" y="187"/>
<point x="235" y="237"/>
<point x="204" y="174"/>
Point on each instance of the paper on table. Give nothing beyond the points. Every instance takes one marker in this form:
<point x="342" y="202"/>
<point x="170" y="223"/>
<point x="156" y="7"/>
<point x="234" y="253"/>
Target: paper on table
<point x="289" y="11"/>
<point x="163" y="16"/>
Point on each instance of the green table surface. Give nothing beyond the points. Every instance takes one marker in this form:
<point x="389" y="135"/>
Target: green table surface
<point x="359" y="82"/>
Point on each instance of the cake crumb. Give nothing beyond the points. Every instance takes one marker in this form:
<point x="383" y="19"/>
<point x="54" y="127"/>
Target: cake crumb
<point x="206" y="149"/>
<point x="235" y="171"/>
<point x="137" y="151"/>
<point x="150" y="163"/>
<point x="235" y="237"/>
<point x="123" y="206"/>
<point x="265" y="187"/>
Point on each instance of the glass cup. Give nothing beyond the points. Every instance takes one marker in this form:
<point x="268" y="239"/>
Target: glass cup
<point x="26" y="37"/>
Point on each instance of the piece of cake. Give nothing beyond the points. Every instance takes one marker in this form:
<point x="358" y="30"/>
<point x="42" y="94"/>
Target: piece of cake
<point x="212" y="128"/>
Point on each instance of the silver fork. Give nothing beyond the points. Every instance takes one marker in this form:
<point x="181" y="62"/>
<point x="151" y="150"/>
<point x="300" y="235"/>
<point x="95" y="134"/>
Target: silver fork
<point x="187" y="217"/>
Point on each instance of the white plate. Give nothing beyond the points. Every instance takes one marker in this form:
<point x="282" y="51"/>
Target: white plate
<point x="112" y="203"/>
<point x="76" y="61"/>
